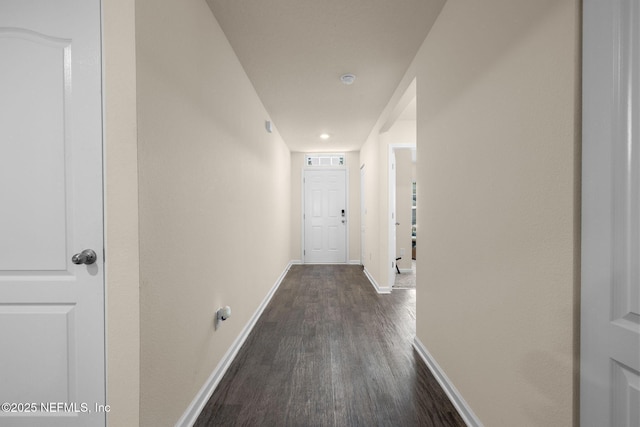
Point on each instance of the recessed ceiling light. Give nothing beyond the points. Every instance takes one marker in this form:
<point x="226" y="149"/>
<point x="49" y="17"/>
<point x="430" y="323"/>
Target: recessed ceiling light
<point x="325" y="136"/>
<point x="347" y="78"/>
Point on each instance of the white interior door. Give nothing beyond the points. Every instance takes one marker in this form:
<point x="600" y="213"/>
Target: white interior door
<point x="610" y="319"/>
<point x="52" y="369"/>
<point x="325" y="216"/>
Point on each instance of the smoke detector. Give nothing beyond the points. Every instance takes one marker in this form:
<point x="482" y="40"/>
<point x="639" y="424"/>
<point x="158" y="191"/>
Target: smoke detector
<point x="347" y="78"/>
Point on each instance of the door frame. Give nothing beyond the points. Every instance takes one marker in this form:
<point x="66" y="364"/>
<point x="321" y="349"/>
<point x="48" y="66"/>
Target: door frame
<point x="346" y="196"/>
<point x="391" y="202"/>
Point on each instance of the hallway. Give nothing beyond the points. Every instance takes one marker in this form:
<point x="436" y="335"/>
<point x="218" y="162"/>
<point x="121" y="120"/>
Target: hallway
<point x="170" y="139"/>
<point x="330" y="351"/>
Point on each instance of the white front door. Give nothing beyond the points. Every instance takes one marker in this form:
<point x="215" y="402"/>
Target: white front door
<point x="52" y="369"/>
<point x="610" y="319"/>
<point x="325" y="216"/>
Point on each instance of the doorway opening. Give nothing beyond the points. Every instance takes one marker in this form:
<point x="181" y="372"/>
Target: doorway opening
<point x="402" y="215"/>
<point x="400" y="134"/>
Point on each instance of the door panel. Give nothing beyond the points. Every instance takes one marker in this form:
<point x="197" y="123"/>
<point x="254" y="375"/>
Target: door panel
<point x="333" y="238"/>
<point x="316" y="239"/>
<point x="625" y="393"/>
<point x="45" y="335"/>
<point x="51" y="310"/>
<point x="324" y="226"/>
<point x="316" y="201"/>
<point x="34" y="237"/>
<point x="334" y="203"/>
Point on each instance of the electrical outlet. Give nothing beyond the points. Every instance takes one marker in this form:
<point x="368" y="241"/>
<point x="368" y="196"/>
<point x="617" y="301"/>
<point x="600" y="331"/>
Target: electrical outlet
<point x="401" y="251"/>
<point x="222" y="314"/>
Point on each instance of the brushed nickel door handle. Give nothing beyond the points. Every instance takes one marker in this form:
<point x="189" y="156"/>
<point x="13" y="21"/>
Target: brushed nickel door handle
<point x="88" y="256"/>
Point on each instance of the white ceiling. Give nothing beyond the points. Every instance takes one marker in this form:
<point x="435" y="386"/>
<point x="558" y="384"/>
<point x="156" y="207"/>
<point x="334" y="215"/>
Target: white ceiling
<point x="294" y="52"/>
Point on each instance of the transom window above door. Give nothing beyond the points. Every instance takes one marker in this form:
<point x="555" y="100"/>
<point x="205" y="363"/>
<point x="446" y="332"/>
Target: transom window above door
<point x="324" y="159"/>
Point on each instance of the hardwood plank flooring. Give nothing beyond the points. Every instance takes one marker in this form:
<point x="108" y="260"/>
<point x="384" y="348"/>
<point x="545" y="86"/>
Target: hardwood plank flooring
<point x="329" y="351"/>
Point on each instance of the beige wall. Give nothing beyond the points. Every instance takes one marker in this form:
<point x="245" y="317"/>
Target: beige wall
<point x="497" y="146"/>
<point x="215" y="201"/>
<point x="353" y="212"/>
<point x="497" y="186"/>
<point x="370" y="161"/>
<point x="121" y="213"/>
<point x="375" y="158"/>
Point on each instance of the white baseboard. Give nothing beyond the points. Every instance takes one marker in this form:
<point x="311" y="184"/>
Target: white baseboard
<point x="350" y="262"/>
<point x="406" y="270"/>
<point x="454" y="395"/>
<point x="193" y="411"/>
<point x="378" y="288"/>
<point x="295" y="262"/>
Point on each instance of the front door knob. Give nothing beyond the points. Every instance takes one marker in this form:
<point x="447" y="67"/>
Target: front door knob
<point x="88" y="256"/>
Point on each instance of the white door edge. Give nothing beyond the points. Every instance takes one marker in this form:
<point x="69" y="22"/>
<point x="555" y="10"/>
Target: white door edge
<point x="610" y="331"/>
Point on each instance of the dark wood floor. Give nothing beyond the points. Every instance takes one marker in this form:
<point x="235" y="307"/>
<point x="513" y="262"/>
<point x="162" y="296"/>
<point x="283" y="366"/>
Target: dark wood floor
<point x="329" y="351"/>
